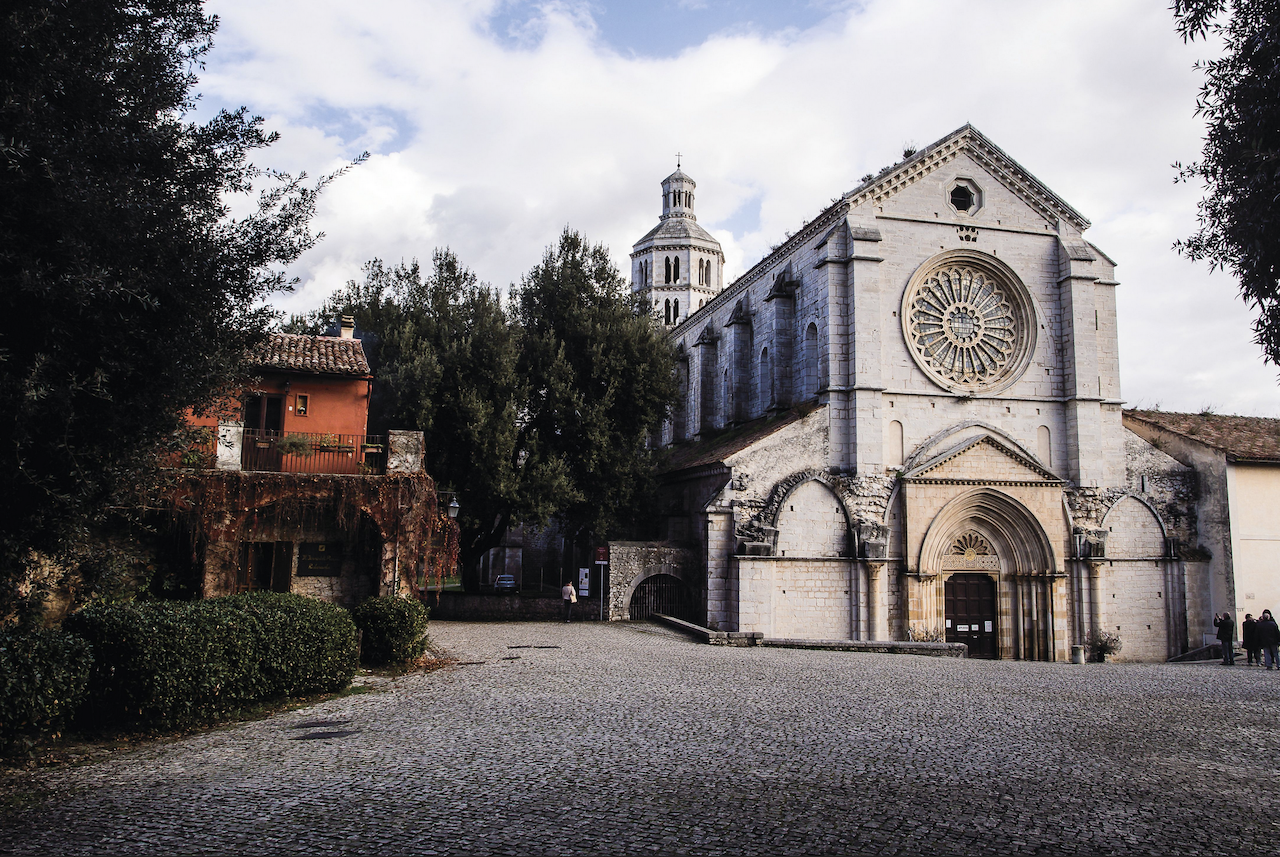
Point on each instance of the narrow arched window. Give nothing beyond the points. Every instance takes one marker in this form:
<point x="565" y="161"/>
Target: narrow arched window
<point x="668" y="269"/>
<point x="809" y="376"/>
<point x="764" y="397"/>
<point x="893" y="445"/>
<point x="677" y="269"/>
<point x="1044" y="445"/>
<point x="668" y="315"/>
<point x="675" y="310"/>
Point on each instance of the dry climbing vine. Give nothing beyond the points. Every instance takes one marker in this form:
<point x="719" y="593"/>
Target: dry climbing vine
<point x="234" y="506"/>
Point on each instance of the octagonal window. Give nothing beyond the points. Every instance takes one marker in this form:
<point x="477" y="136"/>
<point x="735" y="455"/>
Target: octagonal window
<point x="964" y="196"/>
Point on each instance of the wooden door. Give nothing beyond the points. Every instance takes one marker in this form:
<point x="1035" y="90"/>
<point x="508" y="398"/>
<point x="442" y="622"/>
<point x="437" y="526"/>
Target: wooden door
<point x="971" y="614"/>
<point x="263" y="424"/>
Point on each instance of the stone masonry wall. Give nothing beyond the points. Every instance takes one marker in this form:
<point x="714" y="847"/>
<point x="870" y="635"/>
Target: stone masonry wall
<point x="796" y="598"/>
<point x="631" y="562"/>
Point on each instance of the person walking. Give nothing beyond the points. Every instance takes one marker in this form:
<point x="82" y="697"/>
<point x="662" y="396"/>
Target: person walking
<point x="1227" y="636"/>
<point x="570" y="597"/>
<point x="1268" y="636"/>
<point x="1249" y="639"/>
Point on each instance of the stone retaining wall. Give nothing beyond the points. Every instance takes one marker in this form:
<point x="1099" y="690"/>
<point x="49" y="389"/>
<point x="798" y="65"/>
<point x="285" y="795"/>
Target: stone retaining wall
<point x="466" y="607"/>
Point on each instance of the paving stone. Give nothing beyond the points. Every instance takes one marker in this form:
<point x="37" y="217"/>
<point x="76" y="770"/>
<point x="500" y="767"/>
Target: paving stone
<point x="630" y="739"/>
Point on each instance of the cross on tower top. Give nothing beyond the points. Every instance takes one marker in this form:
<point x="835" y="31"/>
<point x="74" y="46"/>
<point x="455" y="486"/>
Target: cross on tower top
<point x="677" y="160"/>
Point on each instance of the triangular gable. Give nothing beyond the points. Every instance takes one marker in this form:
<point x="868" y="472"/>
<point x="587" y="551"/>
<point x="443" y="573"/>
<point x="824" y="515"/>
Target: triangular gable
<point x="980" y="459"/>
<point x="991" y="157"/>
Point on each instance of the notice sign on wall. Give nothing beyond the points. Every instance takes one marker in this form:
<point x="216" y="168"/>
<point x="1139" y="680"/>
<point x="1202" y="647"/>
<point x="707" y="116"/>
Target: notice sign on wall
<point x="584" y="582"/>
<point x="320" y="559"/>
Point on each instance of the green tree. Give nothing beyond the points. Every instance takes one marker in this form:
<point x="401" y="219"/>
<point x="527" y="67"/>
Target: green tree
<point x="602" y="380"/>
<point x="538" y="413"/>
<point x="130" y="293"/>
<point x="1239" y="216"/>
<point x="444" y="354"/>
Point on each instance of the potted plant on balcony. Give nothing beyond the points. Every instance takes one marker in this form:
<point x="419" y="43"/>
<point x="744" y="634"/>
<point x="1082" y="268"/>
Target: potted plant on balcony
<point x="294" y="444"/>
<point x="331" y="443"/>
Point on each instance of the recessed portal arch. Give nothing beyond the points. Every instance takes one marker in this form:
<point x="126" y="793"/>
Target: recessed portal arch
<point x="986" y="532"/>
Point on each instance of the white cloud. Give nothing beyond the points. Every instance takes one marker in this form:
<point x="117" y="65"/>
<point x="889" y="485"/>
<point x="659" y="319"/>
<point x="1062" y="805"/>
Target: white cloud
<point x="491" y="145"/>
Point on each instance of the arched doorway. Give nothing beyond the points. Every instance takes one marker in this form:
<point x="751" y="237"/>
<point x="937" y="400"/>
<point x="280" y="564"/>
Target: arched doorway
<point x="970" y="609"/>
<point x="971" y="615"/>
<point x="986" y="535"/>
<point x="663" y="593"/>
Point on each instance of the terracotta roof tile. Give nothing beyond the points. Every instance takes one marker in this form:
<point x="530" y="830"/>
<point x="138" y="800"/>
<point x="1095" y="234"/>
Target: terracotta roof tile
<point x="1243" y="438"/>
<point x="316" y="355"/>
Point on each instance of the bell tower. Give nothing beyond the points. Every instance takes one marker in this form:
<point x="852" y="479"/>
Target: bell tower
<point x="677" y="266"/>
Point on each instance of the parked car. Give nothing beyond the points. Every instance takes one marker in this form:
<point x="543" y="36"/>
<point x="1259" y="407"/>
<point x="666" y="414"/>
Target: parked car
<point x="505" y="583"/>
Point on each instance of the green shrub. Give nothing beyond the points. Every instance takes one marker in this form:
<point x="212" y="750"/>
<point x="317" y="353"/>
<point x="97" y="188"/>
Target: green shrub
<point x="395" y="629"/>
<point x="43" y="677"/>
<point x="176" y="664"/>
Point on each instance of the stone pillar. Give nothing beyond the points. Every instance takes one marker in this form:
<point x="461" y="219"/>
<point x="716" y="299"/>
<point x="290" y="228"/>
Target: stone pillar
<point x="404" y="452"/>
<point x="1060" y="642"/>
<point x="230" y="445"/>
<point x="1081" y="378"/>
<point x="722" y="586"/>
<point x="878" y="602"/>
<point x="866" y="355"/>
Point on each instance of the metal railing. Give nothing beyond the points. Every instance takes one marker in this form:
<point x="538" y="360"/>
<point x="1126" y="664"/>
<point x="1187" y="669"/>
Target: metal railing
<point x="313" y="452"/>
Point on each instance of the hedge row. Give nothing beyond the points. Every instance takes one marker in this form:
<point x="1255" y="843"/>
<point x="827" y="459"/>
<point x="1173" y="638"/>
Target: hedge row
<point x="43" y="675"/>
<point x="394" y="629"/>
<point x="172" y="664"/>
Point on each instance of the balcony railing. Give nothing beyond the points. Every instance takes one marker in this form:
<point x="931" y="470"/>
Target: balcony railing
<point x="310" y="452"/>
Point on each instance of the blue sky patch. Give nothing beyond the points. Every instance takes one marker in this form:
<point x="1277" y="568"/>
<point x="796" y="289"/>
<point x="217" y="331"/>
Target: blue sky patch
<point x="663" y="28"/>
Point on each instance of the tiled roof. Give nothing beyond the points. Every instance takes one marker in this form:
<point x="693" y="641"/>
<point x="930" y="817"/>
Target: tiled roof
<point x="315" y="355"/>
<point x="1241" y="438"/>
<point x="720" y="447"/>
<point x="678" y="229"/>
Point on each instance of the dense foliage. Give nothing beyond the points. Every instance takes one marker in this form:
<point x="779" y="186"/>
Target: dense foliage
<point x="171" y="665"/>
<point x="130" y="293"/>
<point x="394" y="629"/>
<point x="1239" y="217"/>
<point x="540" y="411"/>
<point x="602" y="379"/>
<point x="43" y="677"/>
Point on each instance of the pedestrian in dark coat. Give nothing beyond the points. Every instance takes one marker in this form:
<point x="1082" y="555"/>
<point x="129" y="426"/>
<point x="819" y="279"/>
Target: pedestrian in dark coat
<point x="1227" y="636"/>
<point x="1268" y="636"/>
<point x="1249" y="639"/>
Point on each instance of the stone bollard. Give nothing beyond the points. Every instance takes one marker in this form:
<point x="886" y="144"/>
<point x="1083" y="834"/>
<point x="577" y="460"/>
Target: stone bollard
<point x="1077" y="654"/>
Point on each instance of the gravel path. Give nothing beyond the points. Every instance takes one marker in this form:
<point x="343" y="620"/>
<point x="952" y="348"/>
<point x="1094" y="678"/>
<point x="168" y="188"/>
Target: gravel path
<point x="631" y="739"/>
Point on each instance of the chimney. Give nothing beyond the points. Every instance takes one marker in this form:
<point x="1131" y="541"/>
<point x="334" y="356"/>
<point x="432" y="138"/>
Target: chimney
<point x="348" y="327"/>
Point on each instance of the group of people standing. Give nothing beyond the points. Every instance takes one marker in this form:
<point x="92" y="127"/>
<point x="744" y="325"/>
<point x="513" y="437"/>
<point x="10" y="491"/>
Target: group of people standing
<point x="1260" y="637"/>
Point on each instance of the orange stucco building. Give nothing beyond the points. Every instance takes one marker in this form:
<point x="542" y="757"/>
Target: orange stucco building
<point x="309" y="385"/>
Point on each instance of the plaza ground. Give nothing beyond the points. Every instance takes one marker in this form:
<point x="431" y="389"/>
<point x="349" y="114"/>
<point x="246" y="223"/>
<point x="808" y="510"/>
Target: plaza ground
<point x="628" y="738"/>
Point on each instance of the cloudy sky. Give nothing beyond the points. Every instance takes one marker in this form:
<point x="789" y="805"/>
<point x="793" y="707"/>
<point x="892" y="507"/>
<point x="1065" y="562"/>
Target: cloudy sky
<point x="493" y="124"/>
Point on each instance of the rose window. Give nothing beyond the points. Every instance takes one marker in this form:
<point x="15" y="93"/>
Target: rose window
<point x="967" y="326"/>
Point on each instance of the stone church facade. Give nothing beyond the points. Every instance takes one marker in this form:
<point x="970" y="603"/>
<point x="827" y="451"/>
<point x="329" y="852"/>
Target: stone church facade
<point x="905" y="422"/>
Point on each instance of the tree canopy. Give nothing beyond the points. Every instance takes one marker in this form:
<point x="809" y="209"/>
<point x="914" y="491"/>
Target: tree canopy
<point x="1239" y="216"/>
<point x="535" y="409"/>
<point x="132" y="294"/>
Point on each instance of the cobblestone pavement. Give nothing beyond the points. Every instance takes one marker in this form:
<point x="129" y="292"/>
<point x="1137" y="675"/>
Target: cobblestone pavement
<point x="629" y="739"/>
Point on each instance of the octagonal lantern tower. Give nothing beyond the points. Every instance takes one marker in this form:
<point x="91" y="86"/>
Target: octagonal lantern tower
<point x="677" y="266"/>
